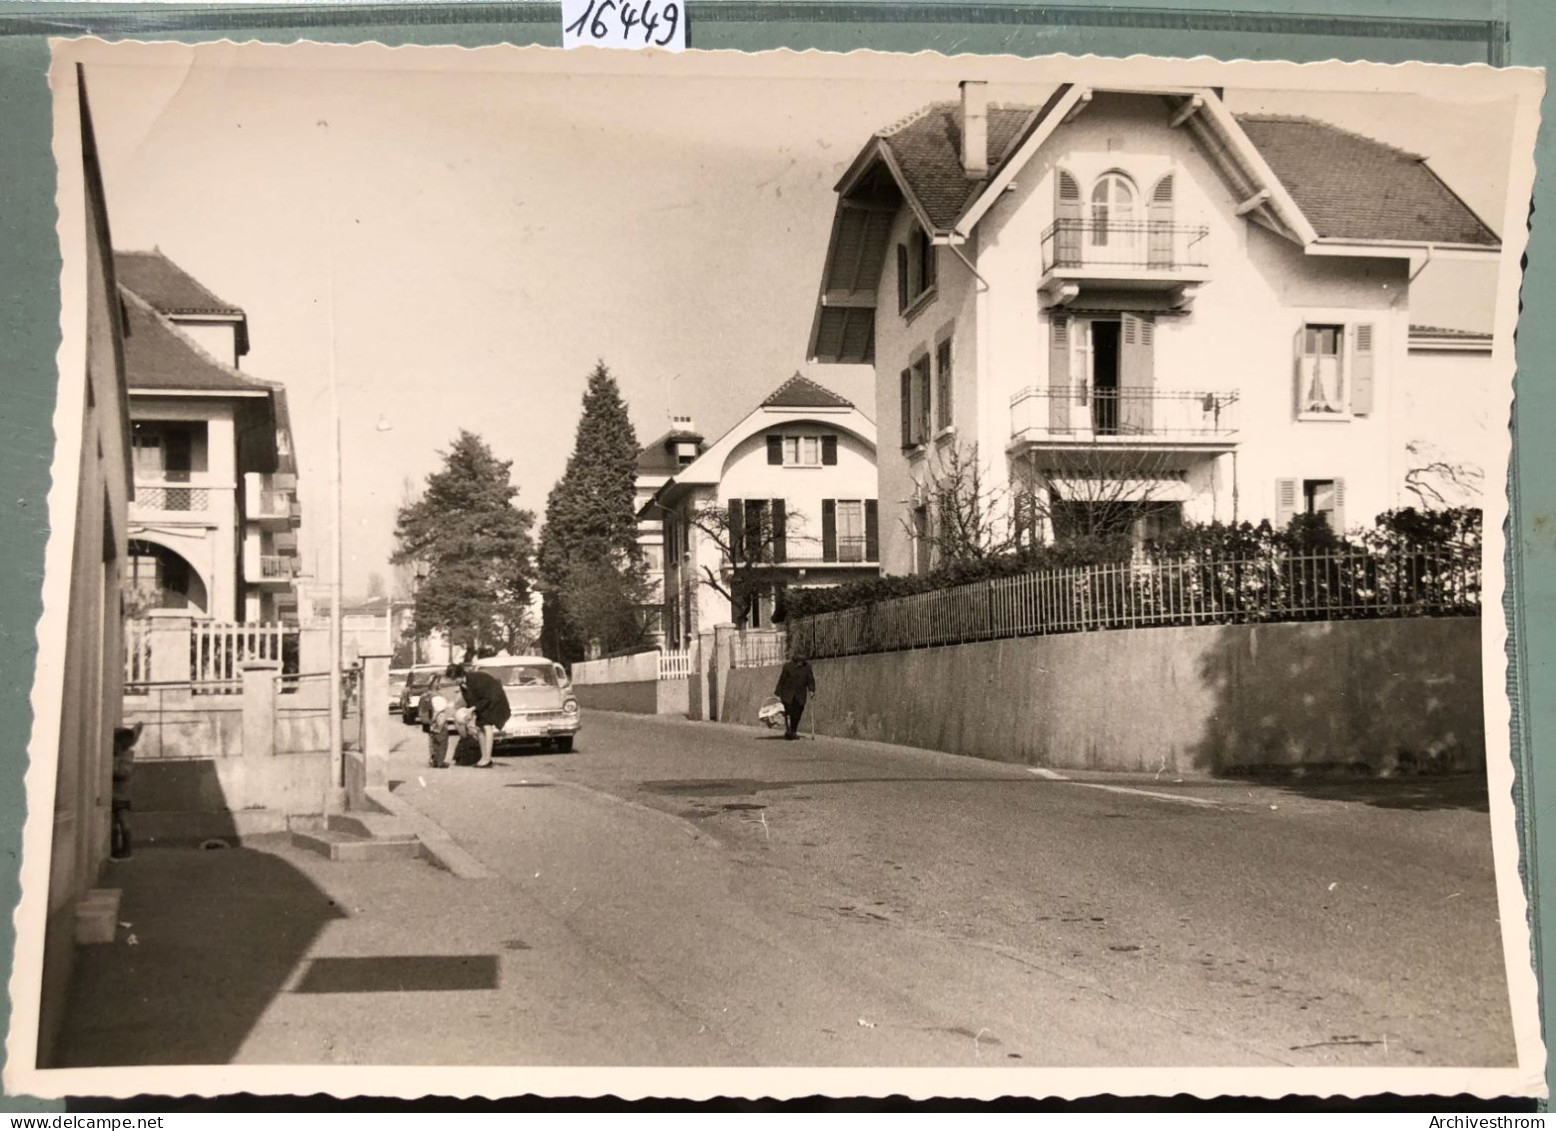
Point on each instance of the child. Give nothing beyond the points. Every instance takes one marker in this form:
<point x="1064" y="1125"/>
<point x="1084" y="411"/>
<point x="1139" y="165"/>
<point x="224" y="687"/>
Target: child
<point x="124" y="740"/>
<point x="443" y="709"/>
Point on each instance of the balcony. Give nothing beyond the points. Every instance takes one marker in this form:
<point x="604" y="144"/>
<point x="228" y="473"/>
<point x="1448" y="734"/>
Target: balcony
<point x="275" y="509"/>
<point x="275" y="569"/>
<point x="169" y="497"/>
<point x="851" y="550"/>
<point x="1122" y="254"/>
<point x="1123" y="419"/>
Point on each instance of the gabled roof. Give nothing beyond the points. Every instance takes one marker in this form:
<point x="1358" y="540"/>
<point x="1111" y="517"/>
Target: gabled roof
<point x="1308" y="181"/>
<point x="797" y="399"/>
<point x="174" y="292"/>
<point x="1351" y="187"/>
<point x="659" y="458"/>
<point x="158" y="355"/>
<point x="928" y="149"/>
<point x="802" y="392"/>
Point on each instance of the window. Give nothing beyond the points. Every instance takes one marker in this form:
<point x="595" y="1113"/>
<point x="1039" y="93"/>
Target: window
<point x="1320" y="371"/>
<point x="850" y="530"/>
<point x="1322" y="497"/>
<point x="1325" y="497"/>
<point x="654" y="558"/>
<point x="922" y="548"/>
<point x="944" y="387"/>
<point x="1112" y="210"/>
<point x="916" y="403"/>
<point x="802" y="451"/>
<point x="915" y="269"/>
<point x="168" y="450"/>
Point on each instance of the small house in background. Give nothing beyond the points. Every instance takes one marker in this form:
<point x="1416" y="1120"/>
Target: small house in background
<point x="1132" y="308"/>
<point x="658" y="463"/>
<point x="214" y="523"/>
<point x="786" y="498"/>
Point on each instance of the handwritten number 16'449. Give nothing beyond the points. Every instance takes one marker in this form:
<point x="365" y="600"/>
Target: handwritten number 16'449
<point x="597" y="20"/>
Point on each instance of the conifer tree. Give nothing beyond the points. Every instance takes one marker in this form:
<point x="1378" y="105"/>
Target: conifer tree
<point x="590" y="565"/>
<point x="477" y="550"/>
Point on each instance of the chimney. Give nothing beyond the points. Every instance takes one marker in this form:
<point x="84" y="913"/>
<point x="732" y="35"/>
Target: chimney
<point x="975" y="129"/>
<point x="682" y="424"/>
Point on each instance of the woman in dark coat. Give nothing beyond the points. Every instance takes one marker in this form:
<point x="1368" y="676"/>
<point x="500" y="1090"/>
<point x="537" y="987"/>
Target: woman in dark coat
<point x="483" y="694"/>
<point x="795" y="683"/>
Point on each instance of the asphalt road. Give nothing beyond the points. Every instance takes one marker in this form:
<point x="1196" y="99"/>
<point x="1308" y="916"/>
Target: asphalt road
<point x="728" y="898"/>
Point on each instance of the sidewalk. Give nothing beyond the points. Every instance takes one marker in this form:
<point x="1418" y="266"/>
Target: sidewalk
<point x="269" y="954"/>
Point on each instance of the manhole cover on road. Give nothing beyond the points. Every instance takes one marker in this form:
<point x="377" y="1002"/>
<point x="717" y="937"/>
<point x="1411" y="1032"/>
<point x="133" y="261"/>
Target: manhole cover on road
<point x="516" y="944"/>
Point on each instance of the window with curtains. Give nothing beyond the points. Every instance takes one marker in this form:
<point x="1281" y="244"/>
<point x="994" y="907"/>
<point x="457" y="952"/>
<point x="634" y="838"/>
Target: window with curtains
<point x="1334" y="370"/>
<point x="850" y="530"/>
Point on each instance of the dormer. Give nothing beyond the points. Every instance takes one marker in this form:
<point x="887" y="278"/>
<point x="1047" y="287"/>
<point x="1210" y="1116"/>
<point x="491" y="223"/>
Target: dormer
<point x="216" y="326"/>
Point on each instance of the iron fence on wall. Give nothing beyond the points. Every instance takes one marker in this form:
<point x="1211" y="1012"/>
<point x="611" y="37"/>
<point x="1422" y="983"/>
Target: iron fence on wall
<point x="1315" y="587"/>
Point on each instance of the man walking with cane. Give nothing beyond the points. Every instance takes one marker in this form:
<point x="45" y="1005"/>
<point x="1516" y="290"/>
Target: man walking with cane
<point x="795" y="683"/>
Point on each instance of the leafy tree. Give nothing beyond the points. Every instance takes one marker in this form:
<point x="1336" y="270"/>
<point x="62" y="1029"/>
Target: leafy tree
<point x="749" y="542"/>
<point x="591" y="568"/>
<point x="475" y="547"/>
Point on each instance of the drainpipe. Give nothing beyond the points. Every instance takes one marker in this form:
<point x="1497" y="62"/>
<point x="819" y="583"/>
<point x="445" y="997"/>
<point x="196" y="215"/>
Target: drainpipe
<point x="981" y="372"/>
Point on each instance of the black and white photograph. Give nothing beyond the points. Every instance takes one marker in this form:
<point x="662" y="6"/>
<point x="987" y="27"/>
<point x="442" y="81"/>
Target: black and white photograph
<point x="594" y="573"/>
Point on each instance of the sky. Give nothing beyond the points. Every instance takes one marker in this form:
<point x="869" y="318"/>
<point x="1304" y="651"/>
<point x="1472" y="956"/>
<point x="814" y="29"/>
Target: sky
<point x="459" y="248"/>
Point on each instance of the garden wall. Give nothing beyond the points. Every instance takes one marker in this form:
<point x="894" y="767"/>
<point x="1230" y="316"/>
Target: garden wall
<point x="1377" y="696"/>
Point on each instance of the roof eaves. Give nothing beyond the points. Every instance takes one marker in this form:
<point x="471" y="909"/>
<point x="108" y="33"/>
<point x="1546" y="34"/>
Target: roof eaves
<point x="1282" y="199"/>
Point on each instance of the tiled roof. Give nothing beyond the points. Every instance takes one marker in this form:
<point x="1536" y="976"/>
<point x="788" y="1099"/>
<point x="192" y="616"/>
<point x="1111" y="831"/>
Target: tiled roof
<point x="802" y="392"/>
<point x="1352" y="187"/>
<point x="657" y="458"/>
<point x="167" y="286"/>
<point x="928" y="149"/>
<point x="157" y="355"/>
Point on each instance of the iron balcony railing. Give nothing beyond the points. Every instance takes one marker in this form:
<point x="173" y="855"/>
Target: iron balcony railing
<point x="273" y="566"/>
<point x="1147" y="594"/>
<point x="1142" y="245"/>
<point x="156" y="497"/>
<point x="1082" y="414"/>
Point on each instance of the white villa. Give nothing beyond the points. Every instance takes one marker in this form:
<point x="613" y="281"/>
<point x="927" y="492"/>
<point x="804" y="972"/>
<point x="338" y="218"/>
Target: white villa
<point x="1139" y="294"/>
<point x="658" y="463"/>
<point x="213" y="523"/>
<point x="798" y="473"/>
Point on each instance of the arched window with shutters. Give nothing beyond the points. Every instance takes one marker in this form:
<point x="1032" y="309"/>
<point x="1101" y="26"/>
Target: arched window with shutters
<point x="1115" y="222"/>
<point x="1160" y="251"/>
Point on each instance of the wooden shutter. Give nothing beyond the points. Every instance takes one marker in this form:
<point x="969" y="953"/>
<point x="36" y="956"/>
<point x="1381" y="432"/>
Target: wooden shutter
<point x="756" y="544"/>
<point x="829" y="451"/>
<point x="1059" y="374"/>
<point x="780" y="531"/>
<point x="1159" y="249"/>
<point x="1285" y="502"/>
<point x="931" y="263"/>
<point x="1361" y="371"/>
<point x="1067" y="221"/>
<point x="923" y="398"/>
<point x="737" y="531"/>
<point x="907" y="408"/>
<point x="1297" y="355"/>
<point x="775" y="449"/>
<point x="829" y="530"/>
<point x="1136" y="376"/>
<point x="1337" y="519"/>
<point x="943" y="387"/>
<point x="872" y="531"/>
<point x="902" y="278"/>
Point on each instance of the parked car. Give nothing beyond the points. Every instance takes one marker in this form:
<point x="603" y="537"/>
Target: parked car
<point x="545" y="710"/>
<point x="397" y="678"/>
<point x="419" y="679"/>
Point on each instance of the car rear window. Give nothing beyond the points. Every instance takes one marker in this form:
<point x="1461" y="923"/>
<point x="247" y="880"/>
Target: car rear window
<point x="420" y="680"/>
<point x="525" y="675"/>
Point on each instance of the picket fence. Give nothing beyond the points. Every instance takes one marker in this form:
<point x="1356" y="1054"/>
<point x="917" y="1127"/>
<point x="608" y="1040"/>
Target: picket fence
<point x="1150" y="594"/>
<point x="217" y="652"/>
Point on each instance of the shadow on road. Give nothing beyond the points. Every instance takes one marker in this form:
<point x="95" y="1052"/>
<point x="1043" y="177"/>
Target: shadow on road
<point x="1428" y="792"/>
<point x="211" y="939"/>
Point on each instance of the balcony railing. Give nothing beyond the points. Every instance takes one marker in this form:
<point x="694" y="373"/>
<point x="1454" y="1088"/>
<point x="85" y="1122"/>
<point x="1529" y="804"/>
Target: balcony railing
<point x="1137" y="245"/>
<point x="275" y="504"/>
<point x="156" y="497"/>
<point x="1122" y="415"/>
<point x="277" y="567"/>
<point x="850" y="549"/>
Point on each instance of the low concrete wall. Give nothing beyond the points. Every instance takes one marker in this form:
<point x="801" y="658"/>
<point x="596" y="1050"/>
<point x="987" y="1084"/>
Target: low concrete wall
<point x="1387" y="696"/>
<point x="286" y="783"/>
<point x="176" y="724"/>
<point x="641" y="697"/>
<point x="640" y="667"/>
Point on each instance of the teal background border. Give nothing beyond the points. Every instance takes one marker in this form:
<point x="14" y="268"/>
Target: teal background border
<point x="1500" y="32"/>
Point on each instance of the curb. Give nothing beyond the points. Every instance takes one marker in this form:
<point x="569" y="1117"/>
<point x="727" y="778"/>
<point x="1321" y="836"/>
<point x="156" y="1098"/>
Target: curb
<point x="440" y="847"/>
